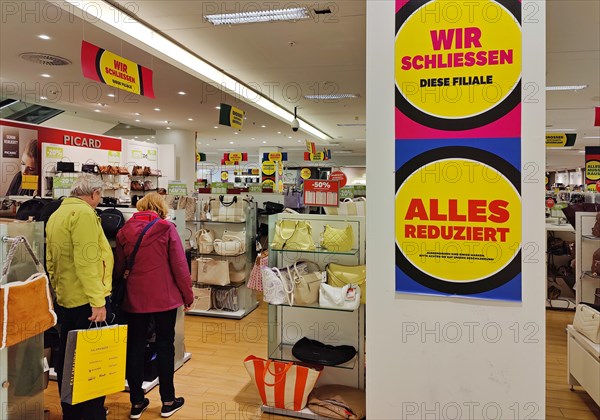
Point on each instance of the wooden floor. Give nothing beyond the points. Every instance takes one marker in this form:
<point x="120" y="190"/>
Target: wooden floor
<point x="216" y="385"/>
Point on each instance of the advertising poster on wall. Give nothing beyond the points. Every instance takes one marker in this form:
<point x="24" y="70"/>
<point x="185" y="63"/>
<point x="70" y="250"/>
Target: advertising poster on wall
<point x="592" y="167"/>
<point x="20" y="161"/>
<point x="458" y="148"/>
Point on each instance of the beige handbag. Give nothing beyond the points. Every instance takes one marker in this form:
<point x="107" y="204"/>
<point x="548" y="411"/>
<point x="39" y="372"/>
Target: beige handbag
<point x="228" y="208"/>
<point x="194" y="269"/>
<point x="189" y="205"/>
<point x="237" y="270"/>
<point x="230" y="247"/>
<point x="232" y="235"/>
<point x="306" y="283"/>
<point x="587" y="322"/>
<point x="214" y="272"/>
<point x="204" y="241"/>
<point x="202" y="298"/>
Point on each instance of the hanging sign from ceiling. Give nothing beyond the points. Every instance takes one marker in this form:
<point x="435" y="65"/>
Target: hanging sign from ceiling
<point x="106" y="67"/>
<point x="592" y="166"/>
<point x="275" y="156"/>
<point x="231" y="116"/>
<point x="560" y="139"/>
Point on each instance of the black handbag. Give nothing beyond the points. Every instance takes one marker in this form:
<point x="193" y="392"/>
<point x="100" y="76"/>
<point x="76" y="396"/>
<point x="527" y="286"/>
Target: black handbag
<point x="313" y="351"/>
<point x="65" y="167"/>
<point x="90" y="168"/>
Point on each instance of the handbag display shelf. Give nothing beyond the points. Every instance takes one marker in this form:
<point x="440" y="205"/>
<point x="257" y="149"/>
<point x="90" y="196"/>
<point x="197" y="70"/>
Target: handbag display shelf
<point x="240" y="265"/>
<point x="335" y="327"/>
<point x="21" y="365"/>
<point x="586" y="244"/>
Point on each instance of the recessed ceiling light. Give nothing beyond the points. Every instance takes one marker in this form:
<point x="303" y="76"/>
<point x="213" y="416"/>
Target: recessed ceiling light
<point x="279" y="132"/>
<point x="136" y="113"/>
<point x="235" y="132"/>
<point x="217" y="107"/>
<point x="43" y="36"/>
<point x="43" y="98"/>
<point x="230" y="142"/>
<point x="157" y="109"/>
<point x="137" y="120"/>
<point x="252" y="138"/>
<point x="293" y="13"/>
<point x="96" y="110"/>
<point x="207" y="144"/>
<point x="152" y="137"/>
<point x="263" y="126"/>
<point x="111" y="95"/>
<point x="181" y="92"/>
<point x="216" y="126"/>
<point x="289" y="137"/>
<point x="299" y="141"/>
<point x="45" y="75"/>
<point x="190" y="119"/>
<point x="167" y="122"/>
<point x="569" y="87"/>
<point x="127" y="126"/>
<point x="101" y="104"/>
<point x="168" y="128"/>
<point x="135" y="137"/>
<point x="264" y="142"/>
<point x="333" y="96"/>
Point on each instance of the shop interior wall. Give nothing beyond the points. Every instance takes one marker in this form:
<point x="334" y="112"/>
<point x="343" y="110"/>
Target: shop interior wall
<point x="185" y="153"/>
<point x="428" y="375"/>
<point x="73" y="122"/>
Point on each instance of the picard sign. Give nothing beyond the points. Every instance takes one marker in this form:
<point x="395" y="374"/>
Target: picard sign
<point x="82" y="141"/>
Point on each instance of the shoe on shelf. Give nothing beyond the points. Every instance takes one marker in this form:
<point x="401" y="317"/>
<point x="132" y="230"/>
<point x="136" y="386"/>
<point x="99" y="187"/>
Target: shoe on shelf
<point x="138" y="409"/>
<point x="169" y="410"/>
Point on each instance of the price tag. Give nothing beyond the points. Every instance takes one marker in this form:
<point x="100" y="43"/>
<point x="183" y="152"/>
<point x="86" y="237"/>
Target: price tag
<point x="321" y="193"/>
<point x="177" y="188"/>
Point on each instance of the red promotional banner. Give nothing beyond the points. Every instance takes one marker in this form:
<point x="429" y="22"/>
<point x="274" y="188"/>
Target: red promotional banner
<point x="597" y="120"/>
<point x="340" y="177"/>
<point x="592" y="166"/>
<point x="108" y="68"/>
<point x="321" y="193"/>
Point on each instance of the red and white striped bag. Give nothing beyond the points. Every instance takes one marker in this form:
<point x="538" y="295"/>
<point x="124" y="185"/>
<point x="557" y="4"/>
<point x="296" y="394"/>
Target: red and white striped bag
<point x="284" y="385"/>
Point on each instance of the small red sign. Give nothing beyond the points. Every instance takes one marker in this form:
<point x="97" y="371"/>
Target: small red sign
<point x="318" y="192"/>
<point x="339" y="176"/>
<point x="550" y="203"/>
<point x="598" y="186"/>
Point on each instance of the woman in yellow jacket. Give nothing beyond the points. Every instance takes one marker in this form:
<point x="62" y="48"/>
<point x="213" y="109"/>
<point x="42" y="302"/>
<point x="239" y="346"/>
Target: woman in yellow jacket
<point x="79" y="261"/>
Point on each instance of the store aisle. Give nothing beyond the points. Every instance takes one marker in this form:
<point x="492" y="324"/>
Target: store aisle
<point x="216" y="385"/>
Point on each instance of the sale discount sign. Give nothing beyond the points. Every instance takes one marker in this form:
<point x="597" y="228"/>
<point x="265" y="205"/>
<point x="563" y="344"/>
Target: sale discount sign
<point x="321" y="193"/>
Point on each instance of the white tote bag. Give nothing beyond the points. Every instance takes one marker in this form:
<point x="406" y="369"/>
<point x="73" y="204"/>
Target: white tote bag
<point x="277" y="288"/>
<point x="346" y="298"/>
<point x="349" y="207"/>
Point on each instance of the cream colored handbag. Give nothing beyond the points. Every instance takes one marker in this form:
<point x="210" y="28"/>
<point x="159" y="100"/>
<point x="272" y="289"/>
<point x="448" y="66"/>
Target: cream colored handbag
<point x="202" y="300"/>
<point x="338" y="240"/>
<point x="214" y="272"/>
<point x="346" y="298"/>
<point x="237" y="270"/>
<point x="204" y="241"/>
<point x="306" y="284"/>
<point x="587" y="322"/>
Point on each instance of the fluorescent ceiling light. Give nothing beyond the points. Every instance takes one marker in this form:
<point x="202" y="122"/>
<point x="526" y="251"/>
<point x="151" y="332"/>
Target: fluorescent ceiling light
<point x="344" y="152"/>
<point x="351" y="125"/>
<point x="295" y="13"/>
<point x="570" y="87"/>
<point x="559" y="130"/>
<point x="157" y="109"/>
<point x="45" y="75"/>
<point x="332" y="96"/>
<point x="106" y="16"/>
<point x="181" y="92"/>
<point x="43" y="36"/>
<point x="592" y="137"/>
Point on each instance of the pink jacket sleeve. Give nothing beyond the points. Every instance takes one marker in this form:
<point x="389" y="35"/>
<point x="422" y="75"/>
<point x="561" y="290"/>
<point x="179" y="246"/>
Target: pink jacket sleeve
<point x="179" y="267"/>
<point x="120" y="261"/>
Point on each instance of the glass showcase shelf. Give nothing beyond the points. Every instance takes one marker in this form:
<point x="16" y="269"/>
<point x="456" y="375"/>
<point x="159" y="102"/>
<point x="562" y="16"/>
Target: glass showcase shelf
<point x="318" y="251"/>
<point x="283" y="352"/>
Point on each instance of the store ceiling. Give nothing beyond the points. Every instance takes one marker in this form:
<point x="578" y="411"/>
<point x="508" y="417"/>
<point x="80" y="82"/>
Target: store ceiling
<point x="283" y="60"/>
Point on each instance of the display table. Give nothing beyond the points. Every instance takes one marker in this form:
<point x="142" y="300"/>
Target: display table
<point x="583" y="358"/>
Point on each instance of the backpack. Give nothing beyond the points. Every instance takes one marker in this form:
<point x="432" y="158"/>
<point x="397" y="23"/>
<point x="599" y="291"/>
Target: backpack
<point x="48" y="209"/>
<point x="31" y="208"/>
<point x="112" y="221"/>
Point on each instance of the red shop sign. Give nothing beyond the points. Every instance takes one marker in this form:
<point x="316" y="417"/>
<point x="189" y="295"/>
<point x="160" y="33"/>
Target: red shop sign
<point x="319" y="192"/>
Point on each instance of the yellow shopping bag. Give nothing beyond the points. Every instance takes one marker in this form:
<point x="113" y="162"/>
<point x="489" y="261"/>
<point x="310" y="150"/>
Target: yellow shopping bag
<point x="94" y="363"/>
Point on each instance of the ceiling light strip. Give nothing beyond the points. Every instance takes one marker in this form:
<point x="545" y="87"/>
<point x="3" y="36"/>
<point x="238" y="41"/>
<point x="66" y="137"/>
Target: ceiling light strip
<point x="296" y="13"/>
<point x="570" y="87"/>
<point x="95" y="11"/>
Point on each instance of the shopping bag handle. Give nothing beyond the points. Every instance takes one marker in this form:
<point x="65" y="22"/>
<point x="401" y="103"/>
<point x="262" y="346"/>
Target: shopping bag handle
<point x="227" y="204"/>
<point x="288" y="366"/>
<point x="13" y="250"/>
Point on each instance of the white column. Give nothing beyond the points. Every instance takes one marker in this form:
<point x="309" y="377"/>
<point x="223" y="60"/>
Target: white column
<point x="436" y="357"/>
<point x="184" y="153"/>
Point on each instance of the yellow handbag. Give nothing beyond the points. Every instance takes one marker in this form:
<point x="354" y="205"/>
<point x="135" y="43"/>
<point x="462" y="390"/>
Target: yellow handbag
<point x="293" y="235"/>
<point x="338" y="240"/>
<point x="340" y="275"/>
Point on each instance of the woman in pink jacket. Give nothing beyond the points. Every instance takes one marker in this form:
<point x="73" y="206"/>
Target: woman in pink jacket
<point x="158" y="284"/>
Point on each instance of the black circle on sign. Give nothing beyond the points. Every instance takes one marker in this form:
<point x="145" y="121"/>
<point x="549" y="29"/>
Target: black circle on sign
<point x="457" y="124"/>
<point x="510" y="271"/>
